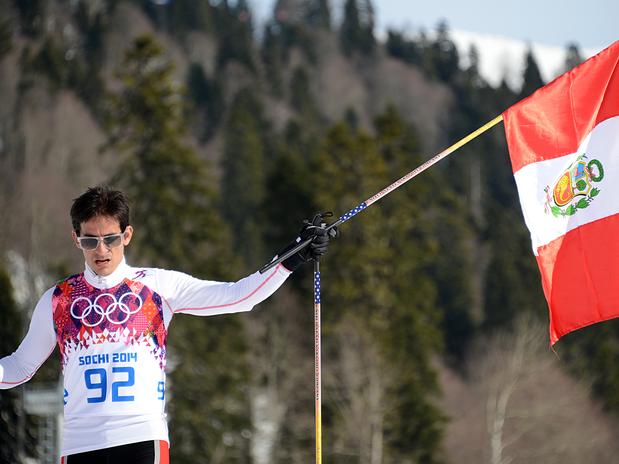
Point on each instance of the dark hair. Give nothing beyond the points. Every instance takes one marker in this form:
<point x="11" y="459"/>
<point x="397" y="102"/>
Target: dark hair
<point x="100" y="201"/>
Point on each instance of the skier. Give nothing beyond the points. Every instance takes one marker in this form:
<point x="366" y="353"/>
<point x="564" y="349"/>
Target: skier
<point x="110" y="323"/>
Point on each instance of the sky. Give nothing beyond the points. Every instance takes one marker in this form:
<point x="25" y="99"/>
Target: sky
<point x="590" y="23"/>
<point x="502" y="30"/>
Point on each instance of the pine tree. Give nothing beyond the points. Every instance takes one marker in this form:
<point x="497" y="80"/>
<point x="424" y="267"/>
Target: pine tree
<point x="189" y="15"/>
<point x="591" y="353"/>
<point x="415" y="314"/>
<point x="5" y="39"/>
<point x="31" y="16"/>
<point x="573" y="57"/>
<point x="384" y="298"/>
<point x="302" y="99"/>
<point x="273" y="57"/>
<point x="244" y="174"/>
<point x="400" y="47"/>
<point x="178" y="225"/>
<point x="234" y="28"/>
<point x="512" y="281"/>
<point x="318" y="13"/>
<point x="444" y="54"/>
<point x="357" y="30"/>
<point x="532" y="77"/>
<point x="289" y="198"/>
<point x="206" y="101"/>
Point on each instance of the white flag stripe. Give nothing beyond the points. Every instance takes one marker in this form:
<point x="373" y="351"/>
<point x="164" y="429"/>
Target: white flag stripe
<point x="602" y="144"/>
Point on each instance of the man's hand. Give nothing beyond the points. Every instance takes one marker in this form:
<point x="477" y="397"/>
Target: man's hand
<point x="314" y="230"/>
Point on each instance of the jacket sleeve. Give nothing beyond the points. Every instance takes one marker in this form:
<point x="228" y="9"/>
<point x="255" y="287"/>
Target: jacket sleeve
<point x="34" y="349"/>
<point x="186" y="294"/>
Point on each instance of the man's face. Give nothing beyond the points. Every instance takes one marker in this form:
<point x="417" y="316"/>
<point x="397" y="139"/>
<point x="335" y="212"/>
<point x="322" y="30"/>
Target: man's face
<point x="104" y="259"/>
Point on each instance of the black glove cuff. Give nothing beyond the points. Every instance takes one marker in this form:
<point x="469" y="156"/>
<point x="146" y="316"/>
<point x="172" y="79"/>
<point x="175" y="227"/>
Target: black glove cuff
<point x="292" y="263"/>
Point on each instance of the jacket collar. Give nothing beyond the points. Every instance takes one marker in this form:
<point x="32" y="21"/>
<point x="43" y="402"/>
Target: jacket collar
<point x="108" y="281"/>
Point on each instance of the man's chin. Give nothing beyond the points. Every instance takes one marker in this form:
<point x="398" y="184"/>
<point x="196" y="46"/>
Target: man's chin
<point x="103" y="267"/>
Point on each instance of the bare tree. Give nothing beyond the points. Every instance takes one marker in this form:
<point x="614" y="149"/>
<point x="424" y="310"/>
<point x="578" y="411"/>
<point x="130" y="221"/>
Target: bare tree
<point x="355" y="386"/>
<point x="532" y="410"/>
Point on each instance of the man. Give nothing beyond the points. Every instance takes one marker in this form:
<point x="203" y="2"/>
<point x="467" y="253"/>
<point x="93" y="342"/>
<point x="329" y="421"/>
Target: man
<point x="110" y="323"/>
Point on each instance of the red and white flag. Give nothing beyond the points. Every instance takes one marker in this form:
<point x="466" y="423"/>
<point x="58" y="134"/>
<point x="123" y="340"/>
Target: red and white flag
<point x="564" y="146"/>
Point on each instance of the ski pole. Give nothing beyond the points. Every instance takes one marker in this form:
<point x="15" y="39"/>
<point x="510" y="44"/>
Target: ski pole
<point x="317" y="363"/>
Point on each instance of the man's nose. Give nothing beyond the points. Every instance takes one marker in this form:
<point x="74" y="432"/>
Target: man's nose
<point x="102" y="247"/>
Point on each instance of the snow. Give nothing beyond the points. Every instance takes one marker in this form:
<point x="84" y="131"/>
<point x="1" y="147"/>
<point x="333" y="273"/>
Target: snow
<point x="502" y="57"/>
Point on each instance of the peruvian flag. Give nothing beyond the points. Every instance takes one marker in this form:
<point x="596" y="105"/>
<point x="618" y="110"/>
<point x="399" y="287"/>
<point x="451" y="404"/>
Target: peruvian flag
<point x="564" y="146"/>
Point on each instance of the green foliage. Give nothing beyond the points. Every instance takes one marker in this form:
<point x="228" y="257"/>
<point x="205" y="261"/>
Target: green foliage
<point x="92" y="27"/>
<point x="443" y="54"/>
<point x="383" y="283"/>
<point x="208" y="391"/>
<point x="64" y="68"/>
<point x="406" y="50"/>
<point x="6" y="43"/>
<point x="205" y="97"/>
<point x="573" y="57"/>
<point x="591" y="353"/>
<point x="289" y="195"/>
<point x="31" y="16"/>
<point x="184" y="16"/>
<point x="174" y="205"/>
<point x="178" y="225"/>
<point x="273" y="57"/>
<point x="180" y="17"/>
<point x="243" y="181"/>
<point x="145" y="122"/>
<point x="512" y="281"/>
<point x="532" y="77"/>
<point x="50" y="62"/>
<point x="318" y="13"/>
<point x="302" y="99"/>
<point x="452" y="270"/>
<point x="357" y="30"/>
<point x="285" y="33"/>
<point x="85" y="78"/>
<point x="174" y="202"/>
<point x="235" y="34"/>
<point x="437" y="58"/>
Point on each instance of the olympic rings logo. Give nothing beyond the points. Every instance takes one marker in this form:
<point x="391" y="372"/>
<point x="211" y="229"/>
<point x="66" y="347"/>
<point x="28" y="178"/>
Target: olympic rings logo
<point x="82" y="307"/>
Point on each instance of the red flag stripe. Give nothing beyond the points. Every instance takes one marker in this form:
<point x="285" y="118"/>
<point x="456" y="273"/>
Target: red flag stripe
<point x="548" y="125"/>
<point x="580" y="272"/>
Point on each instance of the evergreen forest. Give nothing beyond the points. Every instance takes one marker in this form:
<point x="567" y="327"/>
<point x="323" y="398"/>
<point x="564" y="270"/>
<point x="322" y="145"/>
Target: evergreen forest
<point x="226" y="134"/>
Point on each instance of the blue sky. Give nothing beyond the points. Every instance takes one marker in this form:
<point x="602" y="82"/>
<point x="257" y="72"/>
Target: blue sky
<point x="590" y="24"/>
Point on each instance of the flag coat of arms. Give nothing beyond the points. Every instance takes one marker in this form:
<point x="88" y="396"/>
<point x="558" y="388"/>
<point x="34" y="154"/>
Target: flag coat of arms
<point x="564" y="147"/>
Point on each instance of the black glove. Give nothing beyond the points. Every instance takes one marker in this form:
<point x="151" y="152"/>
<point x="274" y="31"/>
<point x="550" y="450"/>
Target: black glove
<point x="320" y="236"/>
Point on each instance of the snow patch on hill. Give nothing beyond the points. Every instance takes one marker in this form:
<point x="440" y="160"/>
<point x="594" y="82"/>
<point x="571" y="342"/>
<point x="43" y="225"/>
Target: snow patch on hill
<point x="502" y="57"/>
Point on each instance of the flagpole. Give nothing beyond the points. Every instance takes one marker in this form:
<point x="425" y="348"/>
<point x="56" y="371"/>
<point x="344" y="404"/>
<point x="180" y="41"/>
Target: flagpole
<point x="398" y="183"/>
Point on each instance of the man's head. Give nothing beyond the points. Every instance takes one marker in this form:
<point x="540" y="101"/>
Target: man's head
<point x="101" y="229"/>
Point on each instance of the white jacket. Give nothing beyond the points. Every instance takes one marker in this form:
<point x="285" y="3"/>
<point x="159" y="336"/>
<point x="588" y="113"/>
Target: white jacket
<point x="112" y="334"/>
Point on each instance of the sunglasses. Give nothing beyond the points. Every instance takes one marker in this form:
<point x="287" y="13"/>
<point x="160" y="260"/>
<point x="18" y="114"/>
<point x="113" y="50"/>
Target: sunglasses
<point x="92" y="243"/>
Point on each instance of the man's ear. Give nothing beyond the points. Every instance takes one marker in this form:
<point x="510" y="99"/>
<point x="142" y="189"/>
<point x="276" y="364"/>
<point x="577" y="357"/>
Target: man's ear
<point x="74" y="237"/>
<point x="128" y="235"/>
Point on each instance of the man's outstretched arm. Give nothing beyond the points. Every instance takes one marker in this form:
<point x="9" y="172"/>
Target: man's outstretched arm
<point x="186" y="294"/>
